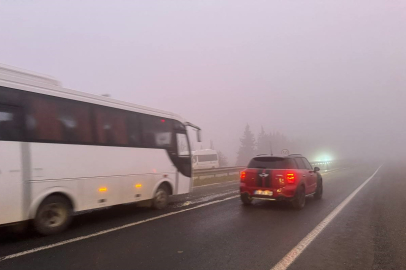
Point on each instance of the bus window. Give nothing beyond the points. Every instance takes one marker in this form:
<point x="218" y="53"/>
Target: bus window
<point x="134" y="129"/>
<point x="41" y="121"/>
<point x="111" y="128"/>
<point x="183" y="146"/>
<point x="10" y="128"/>
<point x="184" y="162"/>
<point x="58" y="120"/>
<point x="179" y="126"/>
<point x="157" y="132"/>
<point x="74" y="118"/>
<point x="9" y="96"/>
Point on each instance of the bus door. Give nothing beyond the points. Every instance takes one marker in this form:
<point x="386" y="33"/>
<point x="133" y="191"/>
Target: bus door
<point x="11" y="180"/>
<point x="184" y="179"/>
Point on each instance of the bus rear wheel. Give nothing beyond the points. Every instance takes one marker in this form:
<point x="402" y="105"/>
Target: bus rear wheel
<point x="161" y="198"/>
<point x="53" y="215"/>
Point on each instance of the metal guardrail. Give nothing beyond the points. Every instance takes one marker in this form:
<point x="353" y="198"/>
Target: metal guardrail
<point x="225" y="171"/>
<point x="218" y="171"/>
<point x="324" y="165"/>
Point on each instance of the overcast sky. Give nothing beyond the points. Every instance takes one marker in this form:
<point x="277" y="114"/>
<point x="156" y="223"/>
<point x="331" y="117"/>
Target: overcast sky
<point x="329" y="71"/>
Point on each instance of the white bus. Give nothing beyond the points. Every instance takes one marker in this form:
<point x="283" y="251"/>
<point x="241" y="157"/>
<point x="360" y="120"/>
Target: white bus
<point x="205" y="159"/>
<point x="64" y="151"/>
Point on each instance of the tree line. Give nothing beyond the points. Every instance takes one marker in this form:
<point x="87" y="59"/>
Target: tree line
<point x="263" y="143"/>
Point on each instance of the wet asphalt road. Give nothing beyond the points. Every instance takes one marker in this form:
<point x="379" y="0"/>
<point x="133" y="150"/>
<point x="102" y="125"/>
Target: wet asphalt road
<point x="210" y="229"/>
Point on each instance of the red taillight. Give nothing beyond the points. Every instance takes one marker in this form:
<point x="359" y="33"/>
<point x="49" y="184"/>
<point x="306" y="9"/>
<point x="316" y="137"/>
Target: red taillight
<point x="290" y="178"/>
<point x="243" y="174"/>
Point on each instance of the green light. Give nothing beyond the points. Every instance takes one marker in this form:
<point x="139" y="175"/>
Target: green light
<point x="324" y="158"/>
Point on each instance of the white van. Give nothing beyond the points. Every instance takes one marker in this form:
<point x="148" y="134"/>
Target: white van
<point x="205" y="159"/>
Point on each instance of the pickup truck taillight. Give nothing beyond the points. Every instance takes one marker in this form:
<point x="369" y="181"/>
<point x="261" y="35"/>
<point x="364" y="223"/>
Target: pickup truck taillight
<point x="243" y="175"/>
<point x="290" y="178"/>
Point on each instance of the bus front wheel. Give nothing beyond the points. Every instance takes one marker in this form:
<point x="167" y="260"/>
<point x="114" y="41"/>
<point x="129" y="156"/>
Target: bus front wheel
<point x="161" y="198"/>
<point x="53" y="215"/>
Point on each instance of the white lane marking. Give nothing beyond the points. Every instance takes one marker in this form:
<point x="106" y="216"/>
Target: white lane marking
<point x="19" y="254"/>
<point x="204" y="199"/>
<point x="299" y="248"/>
<point x="236" y="181"/>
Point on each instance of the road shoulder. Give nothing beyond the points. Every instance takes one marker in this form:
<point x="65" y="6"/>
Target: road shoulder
<point x="368" y="234"/>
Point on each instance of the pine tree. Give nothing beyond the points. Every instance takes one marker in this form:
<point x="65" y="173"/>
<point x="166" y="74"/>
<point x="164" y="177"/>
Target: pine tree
<point x="247" y="147"/>
<point x="263" y="143"/>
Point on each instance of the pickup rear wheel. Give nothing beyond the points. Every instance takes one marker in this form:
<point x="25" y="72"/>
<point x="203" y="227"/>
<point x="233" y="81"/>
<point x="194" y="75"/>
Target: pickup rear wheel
<point x="319" y="189"/>
<point x="246" y="200"/>
<point x="300" y="198"/>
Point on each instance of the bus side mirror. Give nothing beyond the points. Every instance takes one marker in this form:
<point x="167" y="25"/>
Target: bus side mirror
<point x="199" y="135"/>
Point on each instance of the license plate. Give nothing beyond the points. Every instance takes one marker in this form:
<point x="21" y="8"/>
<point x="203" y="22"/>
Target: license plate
<point x="263" y="192"/>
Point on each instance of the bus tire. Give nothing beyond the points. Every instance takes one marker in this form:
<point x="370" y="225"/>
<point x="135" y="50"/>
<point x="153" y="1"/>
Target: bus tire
<point x="53" y="215"/>
<point x="161" y="198"/>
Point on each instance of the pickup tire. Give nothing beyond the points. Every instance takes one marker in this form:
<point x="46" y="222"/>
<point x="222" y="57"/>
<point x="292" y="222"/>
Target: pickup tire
<point x="300" y="198"/>
<point x="246" y="200"/>
<point x="319" y="189"/>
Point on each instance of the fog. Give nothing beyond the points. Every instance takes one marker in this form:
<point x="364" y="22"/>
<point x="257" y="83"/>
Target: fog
<point x="330" y="74"/>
